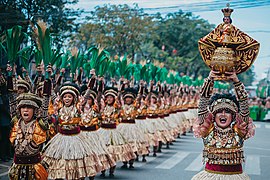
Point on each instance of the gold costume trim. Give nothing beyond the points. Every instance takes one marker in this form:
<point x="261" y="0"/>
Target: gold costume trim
<point x="246" y="49"/>
<point x="227" y="173"/>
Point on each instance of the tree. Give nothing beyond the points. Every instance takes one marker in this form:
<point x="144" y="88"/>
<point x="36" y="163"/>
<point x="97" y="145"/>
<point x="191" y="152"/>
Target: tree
<point x="247" y="77"/>
<point x="172" y="40"/>
<point x="119" y="28"/>
<point x="11" y="15"/>
<point x="60" y="18"/>
<point x="179" y="33"/>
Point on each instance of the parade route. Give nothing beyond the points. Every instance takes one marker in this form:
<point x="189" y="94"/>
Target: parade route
<point x="183" y="160"/>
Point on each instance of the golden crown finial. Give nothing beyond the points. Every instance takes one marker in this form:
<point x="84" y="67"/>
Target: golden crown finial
<point x="227" y="11"/>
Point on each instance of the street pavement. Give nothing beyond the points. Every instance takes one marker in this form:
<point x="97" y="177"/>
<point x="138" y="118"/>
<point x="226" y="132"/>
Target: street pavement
<point x="184" y="159"/>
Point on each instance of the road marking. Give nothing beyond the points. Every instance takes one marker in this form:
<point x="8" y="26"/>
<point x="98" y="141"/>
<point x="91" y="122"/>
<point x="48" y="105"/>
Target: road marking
<point x="267" y="126"/>
<point x="148" y="159"/>
<point x="172" y="161"/>
<point x="196" y="165"/>
<point x="252" y="165"/>
<point x="151" y="158"/>
<point x="258" y="125"/>
<point x="3" y="165"/>
<point x="264" y="149"/>
<point x="4" y="174"/>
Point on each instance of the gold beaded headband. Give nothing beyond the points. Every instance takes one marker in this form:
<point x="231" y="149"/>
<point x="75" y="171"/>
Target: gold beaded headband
<point x="223" y="103"/>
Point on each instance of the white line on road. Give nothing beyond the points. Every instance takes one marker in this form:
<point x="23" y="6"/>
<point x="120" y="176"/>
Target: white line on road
<point x="264" y="149"/>
<point x="3" y="165"/>
<point x="151" y="158"/>
<point x="194" y="140"/>
<point x="172" y="161"/>
<point x="148" y="158"/>
<point x="267" y="126"/>
<point x="3" y="174"/>
<point x="258" y="125"/>
<point x="196" y="165"/>
<point x="252" y="166"/>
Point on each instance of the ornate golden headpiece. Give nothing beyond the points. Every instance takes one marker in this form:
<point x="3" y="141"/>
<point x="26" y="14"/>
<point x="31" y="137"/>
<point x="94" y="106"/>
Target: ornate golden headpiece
<point x="227" y="11"/>
<point x="223" y="103"/>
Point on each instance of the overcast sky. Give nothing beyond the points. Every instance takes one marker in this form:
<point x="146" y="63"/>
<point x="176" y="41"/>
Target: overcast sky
<point x="255" y="21"/>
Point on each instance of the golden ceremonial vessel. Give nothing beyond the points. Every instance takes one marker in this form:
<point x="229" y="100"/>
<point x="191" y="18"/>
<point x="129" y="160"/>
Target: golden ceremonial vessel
<point x="228" y="49"/>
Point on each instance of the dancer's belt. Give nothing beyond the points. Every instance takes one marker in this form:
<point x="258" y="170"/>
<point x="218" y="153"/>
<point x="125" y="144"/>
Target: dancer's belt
<point x="89" y="128"/>
<point x="182" y="110"/>
<point x="33" y="159"/>
<point x="223" y="169"/>
<point x="166" y="115"/>
<point x="153" y="116"/>
<point x="131" y="121"/>
<point x="141" y="117"/>
<point x="73" y="131"/>
<point x="109" y="126"/>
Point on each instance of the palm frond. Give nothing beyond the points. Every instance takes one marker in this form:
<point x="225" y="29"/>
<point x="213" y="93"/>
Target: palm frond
<point x="64" y="63"/>
<point x="87" y="68"/>
<point x="38" y="57"/>
<point x="14" y="38"/>
<point x="171" y="79"/>
<point x="43" y="40"/>
<point x="104" y="64"/>
<point x="122" y="64"/>
<point x="25" y="55"/>
<point x="94" y="54"/>
<point x="153" y="71"/>
<point x="55" y="57"/>
<point x="112" y="69"/>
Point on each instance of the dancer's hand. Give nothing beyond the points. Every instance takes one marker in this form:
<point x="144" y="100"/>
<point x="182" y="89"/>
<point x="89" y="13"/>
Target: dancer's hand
<point x="232" y="76"/>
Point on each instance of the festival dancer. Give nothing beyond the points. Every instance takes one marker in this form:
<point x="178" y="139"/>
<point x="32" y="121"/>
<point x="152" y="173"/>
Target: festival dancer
<point x="152" y="115"/>
<point x="89" y="126"/>
<point x="68" y="153"/>
<point x="28" y="136"/>
<point x="29" y="131"/>
<point x="223" y="124"/>
<point x="128" y="128"/>
<point x="142" y="115"/>
<point x="118" y="146"/>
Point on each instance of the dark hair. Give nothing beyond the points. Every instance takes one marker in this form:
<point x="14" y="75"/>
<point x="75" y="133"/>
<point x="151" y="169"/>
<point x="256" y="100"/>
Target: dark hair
<point x="228" y="17"/>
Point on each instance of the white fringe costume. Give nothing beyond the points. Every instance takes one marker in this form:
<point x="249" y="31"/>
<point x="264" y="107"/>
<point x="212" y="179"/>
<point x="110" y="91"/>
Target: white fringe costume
<point x="204" y="175"/>
<point x="117" y="145"/>
<point x="69" y="153"/>
<point x="89" y="127"/>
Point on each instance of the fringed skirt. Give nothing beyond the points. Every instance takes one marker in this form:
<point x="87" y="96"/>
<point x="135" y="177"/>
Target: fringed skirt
<point x="150" y="129"/>
<point x="117" y="145"/>
<point x="71" y="157"/>
<point x="163" y="130"/>
<point x="182" y="122"/>
<point x="194" y="112"/>
<point x="146" y="127"/>
<point x="99" y="147"/>
<point x="172" y="123"/>
<point x="204" y="175"/>
<point x="135" y="136"/>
